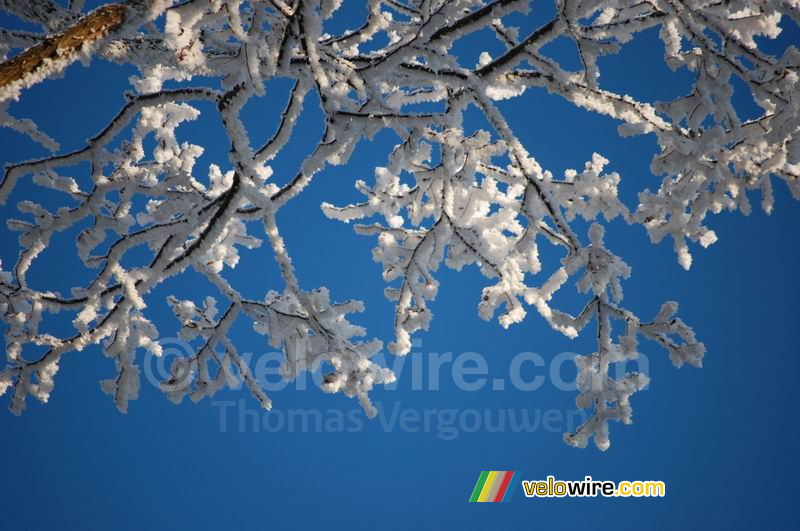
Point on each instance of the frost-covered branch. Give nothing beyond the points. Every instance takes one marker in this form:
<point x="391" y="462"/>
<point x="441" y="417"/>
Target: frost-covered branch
<point x="443" y="197"/>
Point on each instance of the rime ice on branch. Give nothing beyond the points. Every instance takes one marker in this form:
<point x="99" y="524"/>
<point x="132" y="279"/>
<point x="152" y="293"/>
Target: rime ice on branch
<point x="442" y="197"/>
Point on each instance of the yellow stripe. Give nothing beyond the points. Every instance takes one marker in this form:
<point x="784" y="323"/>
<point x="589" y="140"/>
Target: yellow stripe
<point x="487" y="486"/>
<point x="497" y="482"/>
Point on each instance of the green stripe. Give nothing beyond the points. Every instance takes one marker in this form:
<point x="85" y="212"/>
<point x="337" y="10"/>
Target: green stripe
<point x="479" y="486"/>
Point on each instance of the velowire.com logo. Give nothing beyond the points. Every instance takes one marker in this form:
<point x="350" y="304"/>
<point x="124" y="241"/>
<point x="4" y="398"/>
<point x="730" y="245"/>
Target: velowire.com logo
<point x="495" y="486"/>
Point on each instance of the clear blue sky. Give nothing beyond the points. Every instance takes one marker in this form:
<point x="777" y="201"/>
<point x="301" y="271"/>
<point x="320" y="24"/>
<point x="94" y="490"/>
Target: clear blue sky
<point x="721" y="438"/>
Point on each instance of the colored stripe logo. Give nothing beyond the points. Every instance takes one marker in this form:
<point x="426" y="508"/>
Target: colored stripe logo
<point x="494" y="486"/>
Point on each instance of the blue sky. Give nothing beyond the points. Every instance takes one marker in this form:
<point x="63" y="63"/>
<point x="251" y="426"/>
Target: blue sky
<point x="721" y="438"/>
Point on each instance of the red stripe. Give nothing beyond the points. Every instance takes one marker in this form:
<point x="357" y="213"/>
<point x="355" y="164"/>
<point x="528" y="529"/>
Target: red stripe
<point x="503" y="486"/>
